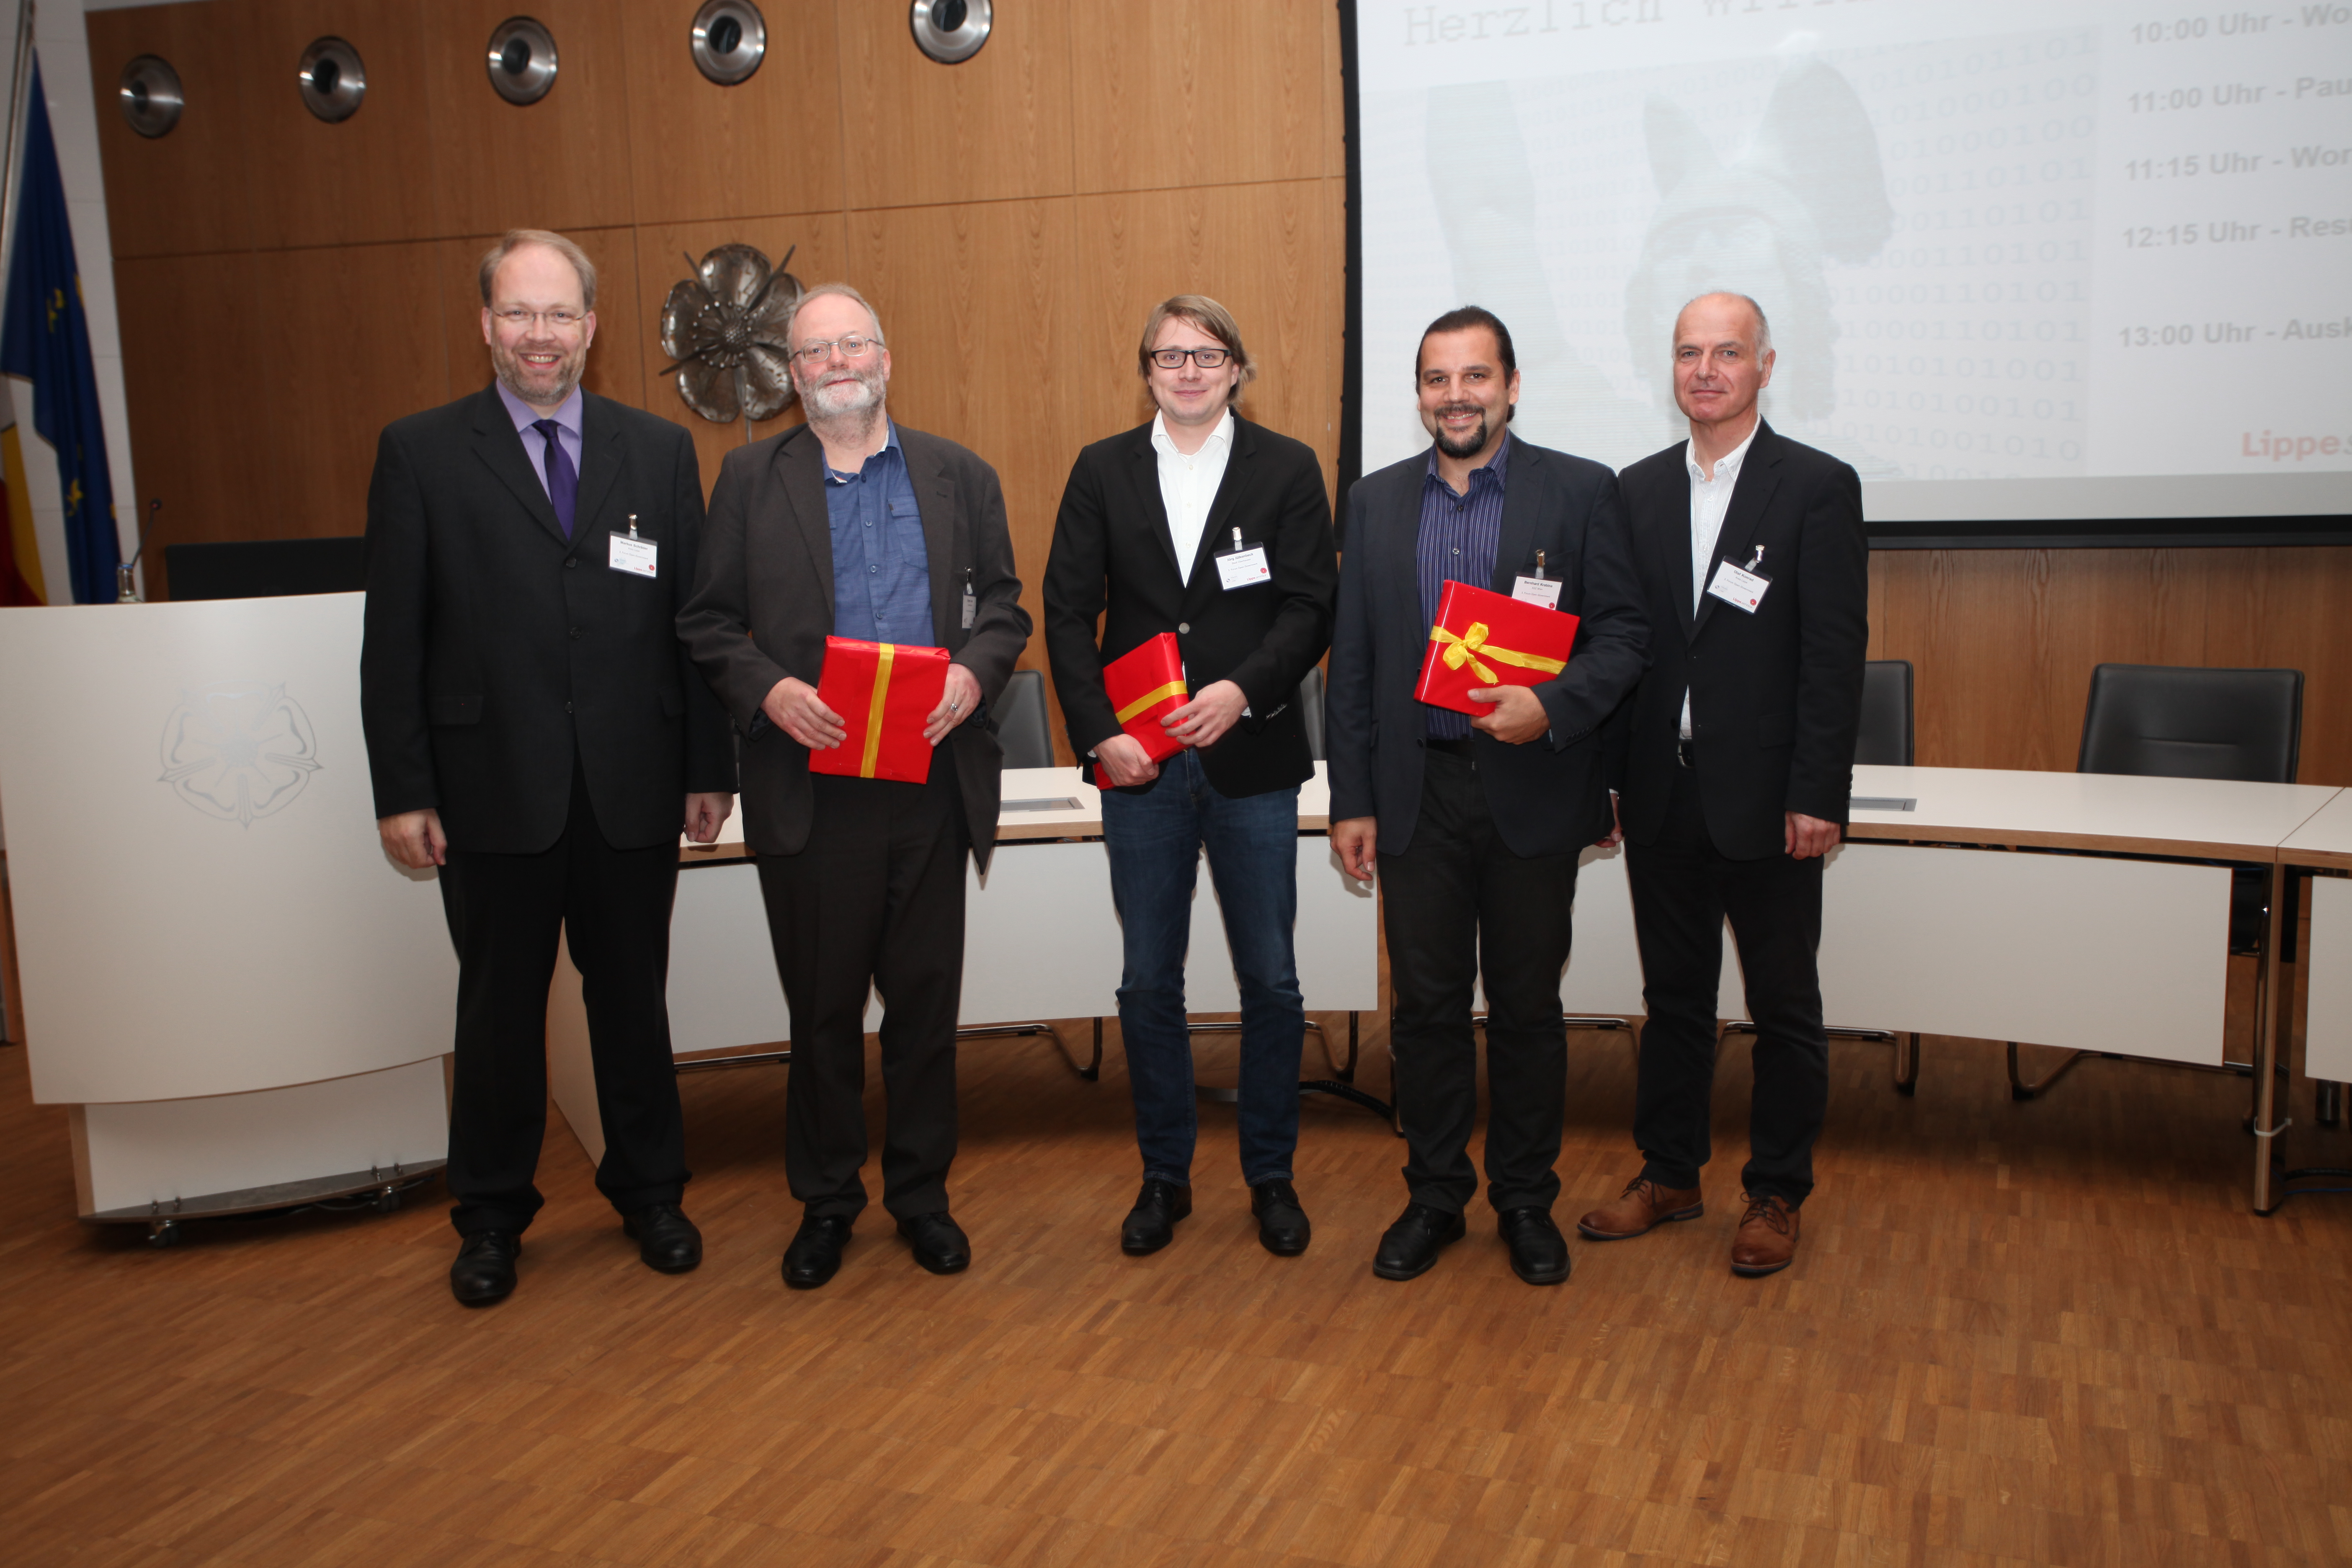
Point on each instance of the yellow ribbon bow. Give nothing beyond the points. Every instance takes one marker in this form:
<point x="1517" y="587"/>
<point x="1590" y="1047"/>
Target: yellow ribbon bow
<point x="1466" y="647"/>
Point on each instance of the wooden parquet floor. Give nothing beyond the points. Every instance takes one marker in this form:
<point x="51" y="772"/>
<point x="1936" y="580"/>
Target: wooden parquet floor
<point x="2046" y="1334"/>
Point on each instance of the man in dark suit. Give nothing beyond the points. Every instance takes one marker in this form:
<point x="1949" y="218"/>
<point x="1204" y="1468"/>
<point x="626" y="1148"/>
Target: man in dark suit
<point x="1203" y="524"/>
<point x="1477" y="824"/>
<point x="1735" y="760"/>
<point x="854" y="526"/>
<point x="535" y="730"/>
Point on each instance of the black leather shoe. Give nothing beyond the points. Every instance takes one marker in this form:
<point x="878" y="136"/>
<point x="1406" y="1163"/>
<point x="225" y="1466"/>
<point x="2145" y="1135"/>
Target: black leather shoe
<point x="1282" y="1227"/>
<point x="940" y="1243"/>
<point x="485" y="1270"/>
<point x="815" y="1256"/>
<point x="1412" y="1245"/>
<point x="1151" y="1223"/>
<point x="1539" y="1251"/>
<point x="667" y="1239"/>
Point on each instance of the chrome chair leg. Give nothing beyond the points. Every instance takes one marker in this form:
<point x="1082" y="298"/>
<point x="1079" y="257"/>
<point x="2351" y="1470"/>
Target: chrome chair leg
<point x="2330" y="1110"/>
<point x="2020" y="1089"/>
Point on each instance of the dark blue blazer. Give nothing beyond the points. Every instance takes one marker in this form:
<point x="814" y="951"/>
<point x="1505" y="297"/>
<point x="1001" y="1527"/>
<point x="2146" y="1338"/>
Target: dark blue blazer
<point x="1547" y="796"/>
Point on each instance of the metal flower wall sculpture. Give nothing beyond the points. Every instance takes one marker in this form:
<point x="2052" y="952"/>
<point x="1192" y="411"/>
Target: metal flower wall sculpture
<point x="725" y="329"/>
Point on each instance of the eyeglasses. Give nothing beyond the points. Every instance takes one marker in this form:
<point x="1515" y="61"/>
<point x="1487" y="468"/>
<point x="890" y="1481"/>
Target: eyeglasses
<point x="556" y="320"/>
<point x="1173" y="359"/>
<point x="851" y="347"/>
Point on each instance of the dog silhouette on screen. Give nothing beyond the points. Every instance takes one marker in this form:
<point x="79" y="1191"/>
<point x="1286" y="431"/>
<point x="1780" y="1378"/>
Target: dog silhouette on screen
<point x="1808" y="190"/>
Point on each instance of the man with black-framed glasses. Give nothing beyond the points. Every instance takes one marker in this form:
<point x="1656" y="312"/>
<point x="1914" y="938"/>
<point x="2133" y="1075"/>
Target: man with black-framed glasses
<point x="1212" y="529"/>
<point x="856" y="526"/>
<point x="535" y="730"/>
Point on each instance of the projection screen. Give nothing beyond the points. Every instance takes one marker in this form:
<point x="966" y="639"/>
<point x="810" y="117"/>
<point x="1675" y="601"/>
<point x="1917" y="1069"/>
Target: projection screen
<point x="2052" y="267"/>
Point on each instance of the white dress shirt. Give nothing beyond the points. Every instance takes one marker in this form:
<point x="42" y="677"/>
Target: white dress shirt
<point x="1188" y="484"/>
<point x="1709" y="499"/>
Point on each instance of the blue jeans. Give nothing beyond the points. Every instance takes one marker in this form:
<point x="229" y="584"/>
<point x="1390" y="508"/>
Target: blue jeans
<point x="1155" y="837"/>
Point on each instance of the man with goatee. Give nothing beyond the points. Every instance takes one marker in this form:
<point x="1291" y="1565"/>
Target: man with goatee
<point x="1475" y="825"/>
<point x="535" y="730"/>
<point x="856" y="526"/>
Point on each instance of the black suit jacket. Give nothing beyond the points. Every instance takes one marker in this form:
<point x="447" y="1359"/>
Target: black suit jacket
<point x="1547" y="796"/>
<point x="1776" y="695"/>
<point x="762" y="606"/>
<point x="1114" y="551"/>
<point x="495" y="645"/>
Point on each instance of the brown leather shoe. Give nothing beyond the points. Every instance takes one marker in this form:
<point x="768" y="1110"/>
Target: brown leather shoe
<point x="1642" y="1207"/>
<point x="1766" y="1240"/>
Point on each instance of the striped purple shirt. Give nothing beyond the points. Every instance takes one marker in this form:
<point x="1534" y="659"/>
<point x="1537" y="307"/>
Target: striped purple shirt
<point x="1457" y="541"/>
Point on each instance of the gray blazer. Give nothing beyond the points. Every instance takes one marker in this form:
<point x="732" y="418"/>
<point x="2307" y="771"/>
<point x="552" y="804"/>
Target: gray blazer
<point x="762" y="606"/>
<point x="1548" y="795"/>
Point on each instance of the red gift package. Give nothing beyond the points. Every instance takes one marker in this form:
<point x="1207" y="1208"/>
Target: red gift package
<point x="1483" y="638"/>
<point x="884" y="692"/>
<point x="1146" y="684"/>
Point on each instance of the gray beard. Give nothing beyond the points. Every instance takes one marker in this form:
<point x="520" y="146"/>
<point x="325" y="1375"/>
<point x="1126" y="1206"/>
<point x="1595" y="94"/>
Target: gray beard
<point x="509" y="374"/>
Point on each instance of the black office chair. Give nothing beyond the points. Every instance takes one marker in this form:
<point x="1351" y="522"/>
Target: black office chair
<point x="1023" y="727"/>
<point x="1310" y="712"/>
<point x="1886" y="734"/>
<point x="2180" y="722"/>
<point x="1884" y="741"/>
<point x="266" y="568"/>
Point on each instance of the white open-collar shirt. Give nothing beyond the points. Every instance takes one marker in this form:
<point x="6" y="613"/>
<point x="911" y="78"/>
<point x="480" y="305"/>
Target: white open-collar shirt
<point x="1188" y="484"/>
<point x="1710" y="499"/>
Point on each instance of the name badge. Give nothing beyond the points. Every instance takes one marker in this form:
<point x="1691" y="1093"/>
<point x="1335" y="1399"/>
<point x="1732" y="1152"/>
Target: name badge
<point x="1544" y="591"/>
<point x="1244" y="568"/>
<point x="639" y="557"/>
<point x="1738" y="586"/>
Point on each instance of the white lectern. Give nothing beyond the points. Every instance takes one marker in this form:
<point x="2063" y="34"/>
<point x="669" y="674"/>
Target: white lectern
<point x="246" y="1004"/>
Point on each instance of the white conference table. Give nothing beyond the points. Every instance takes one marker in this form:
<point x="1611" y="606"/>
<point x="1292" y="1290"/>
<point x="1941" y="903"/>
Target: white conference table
<point x="2322" y="849"/>
<point x="2076" y="910"/>
<point x="1047" y="891"/>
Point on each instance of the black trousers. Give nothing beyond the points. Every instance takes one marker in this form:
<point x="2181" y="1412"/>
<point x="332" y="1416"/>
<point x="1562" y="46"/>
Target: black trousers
<point x="1683" y="891"/>
<point x="1459" y="905"/>
<point x="505" y="914"/>
<point x="877" y="898"/>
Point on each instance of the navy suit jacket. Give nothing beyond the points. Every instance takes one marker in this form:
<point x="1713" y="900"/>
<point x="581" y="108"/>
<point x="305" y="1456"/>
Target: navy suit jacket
<point x="1547" y="796"/>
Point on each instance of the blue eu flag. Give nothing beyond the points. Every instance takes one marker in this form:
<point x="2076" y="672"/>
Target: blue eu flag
<point x="44" y="337"/>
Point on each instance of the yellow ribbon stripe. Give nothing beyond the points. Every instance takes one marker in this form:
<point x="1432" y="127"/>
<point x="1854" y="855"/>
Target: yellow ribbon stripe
<point x="873" y="713"/>
<point x="1149" y="700"/>
<point x="1466" y="647"/>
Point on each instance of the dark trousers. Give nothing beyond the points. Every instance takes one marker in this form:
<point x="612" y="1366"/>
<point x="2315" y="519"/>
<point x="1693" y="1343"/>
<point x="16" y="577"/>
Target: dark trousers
<point x="1683" y="891"/>
<point x="1154" y="840"/>
<point x="1458" y="906"/>
<point x="877" y="898"/>
<point x="613" y="906"/>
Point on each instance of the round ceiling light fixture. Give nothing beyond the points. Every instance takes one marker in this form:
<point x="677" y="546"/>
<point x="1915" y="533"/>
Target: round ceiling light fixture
<point x="522" y="59"/>
<point x="332" y="79"/>
<point x="728" y="40"/>
<point x="949" y="31"/>
<point x="151" y="96"/>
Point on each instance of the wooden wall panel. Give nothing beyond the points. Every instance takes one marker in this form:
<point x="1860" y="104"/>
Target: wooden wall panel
<point x="1171" y="95"/>
<point x="369" y="179"/>
<point x="667" y="254"/>
<point x="338" y="374"/>
<point x="562" y="162"/>
<point x="998" y="370"/>
<point x="998" y="127"/>
<point x="769" y="144"/>
<point x="1259" y="250"/>
<point x="189" y="190"/>
<point x="192" y="369"/>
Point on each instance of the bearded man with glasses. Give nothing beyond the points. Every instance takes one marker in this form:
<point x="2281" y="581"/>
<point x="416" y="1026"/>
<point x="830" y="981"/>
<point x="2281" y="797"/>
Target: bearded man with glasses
<point x="1215" y="529"/>
<point x="535" y="730"/>
<point x="854" y="525"/>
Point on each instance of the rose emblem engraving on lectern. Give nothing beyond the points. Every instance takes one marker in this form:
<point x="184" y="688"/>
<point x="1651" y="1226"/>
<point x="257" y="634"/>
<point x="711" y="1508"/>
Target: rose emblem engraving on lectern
<point x="238" y="749"/>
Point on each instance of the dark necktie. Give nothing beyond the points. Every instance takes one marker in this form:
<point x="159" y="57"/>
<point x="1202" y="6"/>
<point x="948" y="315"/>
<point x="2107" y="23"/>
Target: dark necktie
<point x="563" y="478"/>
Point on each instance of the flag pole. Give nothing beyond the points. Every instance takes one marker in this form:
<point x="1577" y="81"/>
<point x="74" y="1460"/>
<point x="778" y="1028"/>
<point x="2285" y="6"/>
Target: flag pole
<point x="20" y="74"/>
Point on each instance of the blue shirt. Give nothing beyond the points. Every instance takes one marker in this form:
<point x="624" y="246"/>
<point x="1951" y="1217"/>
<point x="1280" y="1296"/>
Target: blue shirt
<point x="1459" y="536"/>
<point x="881" y="569"/>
